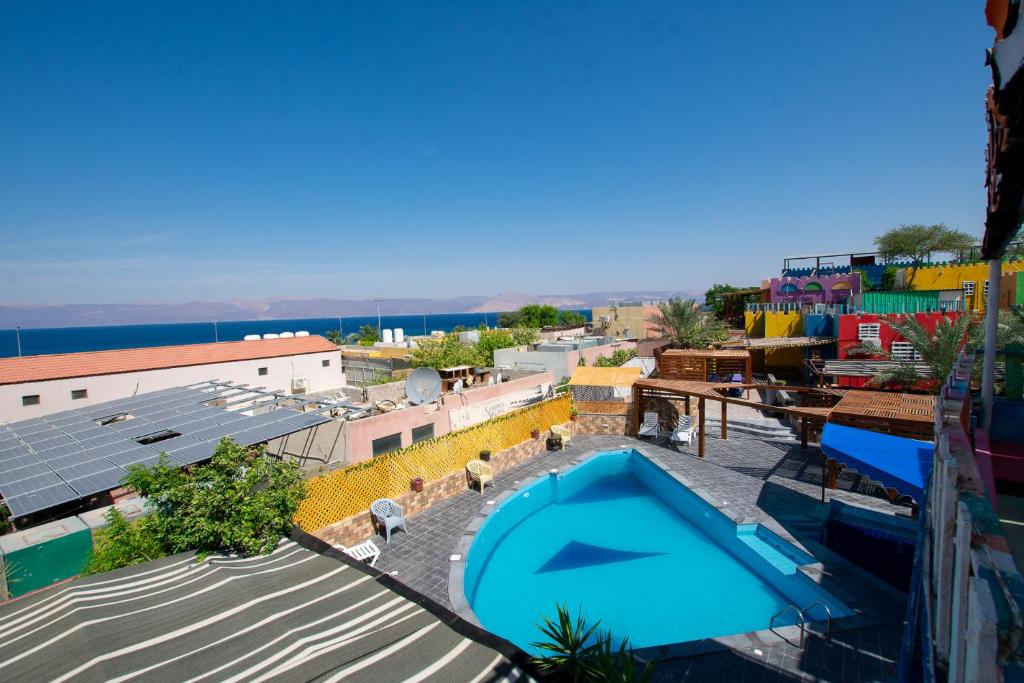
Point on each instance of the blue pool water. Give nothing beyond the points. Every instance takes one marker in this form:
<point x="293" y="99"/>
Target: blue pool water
<point x="621" y="539"/>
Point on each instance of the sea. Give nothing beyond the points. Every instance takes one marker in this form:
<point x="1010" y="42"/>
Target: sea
<point x="47" y="340"/>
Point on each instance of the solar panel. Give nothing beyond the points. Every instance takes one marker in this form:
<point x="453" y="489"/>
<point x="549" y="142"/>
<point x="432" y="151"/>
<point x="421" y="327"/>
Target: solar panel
<point x="41" y="499"/>
<point x="49" y="461"/>
<point x="97" y="483"/>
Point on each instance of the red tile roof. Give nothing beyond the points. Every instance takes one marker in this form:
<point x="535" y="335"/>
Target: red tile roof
<point x="67" y="365"/>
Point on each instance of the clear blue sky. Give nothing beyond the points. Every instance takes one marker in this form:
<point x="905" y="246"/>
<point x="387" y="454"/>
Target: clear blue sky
<point x="176" y="151"/>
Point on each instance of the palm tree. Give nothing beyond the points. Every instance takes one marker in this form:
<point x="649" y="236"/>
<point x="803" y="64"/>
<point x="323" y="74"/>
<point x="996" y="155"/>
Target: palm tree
<point x="367" y="335"/>
<point x="938" y="350"/>
<point x="687" y="325"/>
<point x="334" y="336"/>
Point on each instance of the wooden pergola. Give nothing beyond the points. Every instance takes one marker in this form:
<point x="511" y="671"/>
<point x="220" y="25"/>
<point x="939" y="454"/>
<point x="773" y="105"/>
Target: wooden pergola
<point x="697" y="365"/>
<point x="717" y="391"/>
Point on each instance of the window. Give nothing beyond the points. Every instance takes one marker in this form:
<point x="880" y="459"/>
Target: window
<point x="30" y="400"/>
<point x="870" y="333"/>
<point x="423" y="433"/>
<point x="904" y="351"/>
<point x="968" y="288"/>
<point x="79" y="393"/>
<point x="326" y="363"/>
<point x="985" y="289"/>
<point x="386" y="444"/>
<point x="261" y="372"/>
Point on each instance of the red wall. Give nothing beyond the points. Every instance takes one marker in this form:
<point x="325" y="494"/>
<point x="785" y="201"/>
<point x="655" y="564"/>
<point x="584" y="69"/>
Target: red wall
<point x="848" y="335"/>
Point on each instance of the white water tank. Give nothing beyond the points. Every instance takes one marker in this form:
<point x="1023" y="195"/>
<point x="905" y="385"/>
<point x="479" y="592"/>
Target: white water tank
<point x="287" y="335"/>
<point x="271" y="335"/>
<point x="251" y="337"/>
<point x="302" y="333"/>
<point x="387" y="337"/>
<point x="399" y="335"/>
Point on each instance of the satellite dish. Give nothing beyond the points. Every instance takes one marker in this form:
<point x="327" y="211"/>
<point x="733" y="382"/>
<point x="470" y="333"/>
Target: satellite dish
<point x="423" y="386"/>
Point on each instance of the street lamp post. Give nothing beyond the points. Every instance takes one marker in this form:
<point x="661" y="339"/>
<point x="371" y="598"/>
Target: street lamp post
<point x="216" y="337"/>
<point x="379" y="329"/>
<point x="17" y="336"/>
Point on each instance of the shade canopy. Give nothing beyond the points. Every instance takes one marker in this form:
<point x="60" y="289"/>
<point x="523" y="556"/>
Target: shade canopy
<point x="897" y="462"/>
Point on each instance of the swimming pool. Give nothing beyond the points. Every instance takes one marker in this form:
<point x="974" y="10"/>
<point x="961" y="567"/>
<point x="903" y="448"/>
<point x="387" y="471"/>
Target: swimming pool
<point x="623" y="540"/>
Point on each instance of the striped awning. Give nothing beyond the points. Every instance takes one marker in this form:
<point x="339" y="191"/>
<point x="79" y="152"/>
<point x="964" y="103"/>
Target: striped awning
<point x="293" y="615"/>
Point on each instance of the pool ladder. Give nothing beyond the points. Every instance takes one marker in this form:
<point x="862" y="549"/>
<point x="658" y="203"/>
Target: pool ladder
<point x="803" y="620"/>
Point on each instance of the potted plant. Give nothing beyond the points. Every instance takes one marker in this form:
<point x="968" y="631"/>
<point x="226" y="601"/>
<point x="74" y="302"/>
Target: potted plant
<point x="535" y="433"/>
<point x="417" y="484"/>
<point x="573" y="413"/>
<point x="485" y="455"/>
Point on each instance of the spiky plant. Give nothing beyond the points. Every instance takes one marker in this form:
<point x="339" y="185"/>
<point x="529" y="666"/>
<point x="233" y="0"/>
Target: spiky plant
<point x="579" y="653"/>
<point x="687" y="325"/>
<point x="569" y="647"/>
<point x="939" y="350"/>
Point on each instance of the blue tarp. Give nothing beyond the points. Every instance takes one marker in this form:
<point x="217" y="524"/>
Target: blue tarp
<point x="903" y="464"/>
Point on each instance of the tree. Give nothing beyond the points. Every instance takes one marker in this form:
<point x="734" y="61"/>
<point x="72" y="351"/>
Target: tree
<point x="242" y="501"/>
<point x="918" y="242"/>
<point x="715" y="298"/>
<point x="938" y="350"/>
<point x="334" y="336"/>
<point x="687" y="326"/>
<point x="512" y="319"/>
<point x="571" y="318"/>
<point x="618" y="357"/>
<point x="122" y="543"/>
<point x="536" y="315"/>
<point x="368" y="335"/>
<point x="446" y="352"/>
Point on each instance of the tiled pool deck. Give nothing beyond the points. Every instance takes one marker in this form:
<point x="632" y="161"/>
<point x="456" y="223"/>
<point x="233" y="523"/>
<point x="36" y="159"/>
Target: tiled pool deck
<point x="774" y="482"/>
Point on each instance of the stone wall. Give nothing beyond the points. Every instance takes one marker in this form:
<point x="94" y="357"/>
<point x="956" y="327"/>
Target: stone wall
<point x="603" y="424"/>
<point x="360" y="527"/>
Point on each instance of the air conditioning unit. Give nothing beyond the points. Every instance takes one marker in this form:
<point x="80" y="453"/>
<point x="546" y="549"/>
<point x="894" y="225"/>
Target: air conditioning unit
<point x="299" y="385"/>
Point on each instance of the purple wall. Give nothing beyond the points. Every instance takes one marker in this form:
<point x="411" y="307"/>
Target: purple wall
<point x="825" y="289"/>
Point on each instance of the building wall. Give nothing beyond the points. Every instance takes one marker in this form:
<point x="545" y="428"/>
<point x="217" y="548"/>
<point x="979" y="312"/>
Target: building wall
<point x="783" y="324"/>
<point x="824" y="289"/>
<point x="954" y="275"/>
<point x="360" y="434"/>
<point x="848" y="335"/>
<point x="560" y="363"/>
<point x="622" y="318"/>
<point x="55" y="395"/>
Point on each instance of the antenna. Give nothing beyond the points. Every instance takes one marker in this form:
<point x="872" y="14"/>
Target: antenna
<point x="423" y="386"/>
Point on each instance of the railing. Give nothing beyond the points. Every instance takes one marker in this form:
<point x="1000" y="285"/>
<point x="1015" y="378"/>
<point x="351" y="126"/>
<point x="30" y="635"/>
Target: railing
<point x="963" y="617"/>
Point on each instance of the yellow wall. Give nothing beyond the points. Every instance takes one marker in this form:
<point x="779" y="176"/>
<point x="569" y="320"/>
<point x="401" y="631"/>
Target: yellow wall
<point x="753" y="323"/>
<point x="953" y="276"/>
<point x="784" y="324"/>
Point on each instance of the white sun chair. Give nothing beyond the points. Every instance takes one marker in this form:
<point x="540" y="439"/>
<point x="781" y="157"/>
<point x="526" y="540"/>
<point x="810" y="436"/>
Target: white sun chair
<point x="389" y="515"/>
<point x="650" y="425"/>
<point x="684" y="431"/>
<point x="367" y="550"/>
<point x="481" y="473"/>
<point x="563" y="432"/>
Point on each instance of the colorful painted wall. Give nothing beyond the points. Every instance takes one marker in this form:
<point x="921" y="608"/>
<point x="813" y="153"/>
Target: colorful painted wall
<point x="848" y="335"/>
<point x="970" y="277"/>
<point x="824" y="289"/>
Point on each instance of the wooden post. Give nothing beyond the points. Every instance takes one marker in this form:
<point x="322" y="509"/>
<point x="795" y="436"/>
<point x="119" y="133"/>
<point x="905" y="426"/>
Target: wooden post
<point x="803" y="431"/>
<point x="700" y="427"/>
<point x="832" y="474"/>
<point x="638" y="400"/>
<point x="725" y="433"/>
<point x="688" y="411"/>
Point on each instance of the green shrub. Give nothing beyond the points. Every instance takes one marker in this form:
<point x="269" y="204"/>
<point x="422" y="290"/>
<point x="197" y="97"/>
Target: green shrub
<point x="123" y="543"/>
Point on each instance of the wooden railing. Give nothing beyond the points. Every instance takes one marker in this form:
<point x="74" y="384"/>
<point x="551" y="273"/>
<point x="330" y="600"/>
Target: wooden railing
<point x="964" y="620"/>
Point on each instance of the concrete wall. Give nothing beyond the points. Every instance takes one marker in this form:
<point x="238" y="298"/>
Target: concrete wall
<point x="623" y="318"/>
<point x="55" y="395"/>
<point x="560" y="363"/>
<point x="340" y="443"/>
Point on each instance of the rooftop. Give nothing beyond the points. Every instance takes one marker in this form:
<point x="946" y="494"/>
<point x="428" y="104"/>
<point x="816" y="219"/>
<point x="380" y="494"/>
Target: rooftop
<point x="88" y="364"/>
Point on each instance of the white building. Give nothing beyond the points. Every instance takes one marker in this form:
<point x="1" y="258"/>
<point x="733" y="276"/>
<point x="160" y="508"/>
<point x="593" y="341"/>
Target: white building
<point x="33" y="386"/>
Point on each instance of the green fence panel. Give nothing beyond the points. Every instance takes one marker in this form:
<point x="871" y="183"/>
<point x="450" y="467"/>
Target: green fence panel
<point x="1014" y="378"/>
<point x="37" y="557"/>
<point x="900" y="302"/>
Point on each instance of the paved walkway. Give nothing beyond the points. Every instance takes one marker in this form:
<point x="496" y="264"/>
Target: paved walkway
<point x="772" y="481"/>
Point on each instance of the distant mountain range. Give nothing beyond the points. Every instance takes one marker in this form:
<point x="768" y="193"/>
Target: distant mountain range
<point x="78" y="315"/>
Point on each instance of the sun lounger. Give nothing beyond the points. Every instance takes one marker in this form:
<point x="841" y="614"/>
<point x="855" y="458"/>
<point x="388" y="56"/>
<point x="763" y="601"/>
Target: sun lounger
<point x="650" y="425"/>
<point x="367" y="550"/>
<point x="684" y="431"/>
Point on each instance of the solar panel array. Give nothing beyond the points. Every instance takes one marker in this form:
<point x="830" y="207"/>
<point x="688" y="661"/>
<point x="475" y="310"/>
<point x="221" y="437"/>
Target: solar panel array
<point x="59" y="458"/>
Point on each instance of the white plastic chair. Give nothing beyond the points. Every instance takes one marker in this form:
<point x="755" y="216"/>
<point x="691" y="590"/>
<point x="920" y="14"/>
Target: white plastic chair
<point x="563" y="432"/>
<point x="389" y="515"/>
<point x="650" y="425"/>
<point x="367" y="550"/>
<point x="683" y="433"/>
<point x="480" y="472"/>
